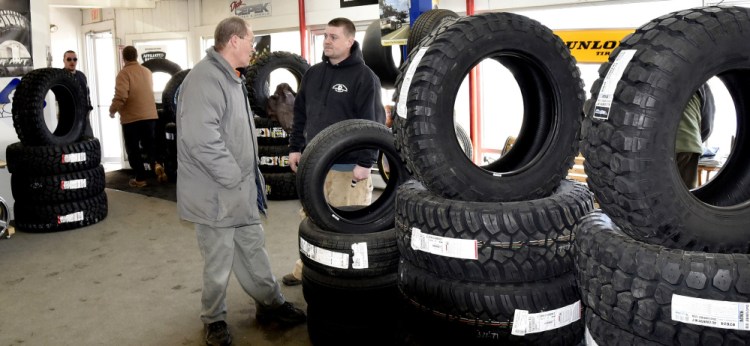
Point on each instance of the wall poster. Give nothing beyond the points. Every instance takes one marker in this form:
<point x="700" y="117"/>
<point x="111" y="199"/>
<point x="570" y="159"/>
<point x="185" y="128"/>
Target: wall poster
<point x="15" y="38"/>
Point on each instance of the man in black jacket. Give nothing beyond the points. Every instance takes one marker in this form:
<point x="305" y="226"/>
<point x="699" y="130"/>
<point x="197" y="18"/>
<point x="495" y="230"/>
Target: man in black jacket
<point x="340" y="87"/>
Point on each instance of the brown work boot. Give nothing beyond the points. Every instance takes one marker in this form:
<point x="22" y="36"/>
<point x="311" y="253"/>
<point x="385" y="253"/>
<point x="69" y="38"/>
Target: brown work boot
<point x="161" y="175"/>
<point x="137" y="183"/>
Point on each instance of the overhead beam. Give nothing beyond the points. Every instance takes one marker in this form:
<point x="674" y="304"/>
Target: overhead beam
<point x="103" y="3"/>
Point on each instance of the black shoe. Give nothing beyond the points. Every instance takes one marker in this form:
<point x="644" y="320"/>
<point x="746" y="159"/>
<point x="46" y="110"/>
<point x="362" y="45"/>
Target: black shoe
<point x="217" y="334"/>
<point x="284" y="314"/>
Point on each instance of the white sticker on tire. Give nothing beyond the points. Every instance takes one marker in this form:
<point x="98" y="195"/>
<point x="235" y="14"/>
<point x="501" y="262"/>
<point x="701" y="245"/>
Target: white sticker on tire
<point x="324" y="256"/>
<point x="589" y="339"/>
<point x="73" y="157"/>
<point x="526" y="323"/>
<point x="711" y="313"/>
<point x="359" y="259"/>
<point x="442" y="246"/>
<point x="73" y="184"/>
<point x="406" y="83"/>
<point x="74" y="217"/>
<point x="607" y="90"/>
<point x="169" y="136"/>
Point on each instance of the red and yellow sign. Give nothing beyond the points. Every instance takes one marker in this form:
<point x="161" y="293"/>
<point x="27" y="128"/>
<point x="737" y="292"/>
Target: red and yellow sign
<point x="592" y="46"/>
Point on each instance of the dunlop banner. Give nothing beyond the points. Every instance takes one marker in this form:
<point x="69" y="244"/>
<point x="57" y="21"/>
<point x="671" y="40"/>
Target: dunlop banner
<point x="592" y="46"/>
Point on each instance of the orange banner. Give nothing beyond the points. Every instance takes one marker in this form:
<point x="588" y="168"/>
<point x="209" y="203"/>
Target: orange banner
<point x="592" y="46"/>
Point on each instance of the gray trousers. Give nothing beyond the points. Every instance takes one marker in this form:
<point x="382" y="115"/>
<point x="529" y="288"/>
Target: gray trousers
<point x="238" y="249"/>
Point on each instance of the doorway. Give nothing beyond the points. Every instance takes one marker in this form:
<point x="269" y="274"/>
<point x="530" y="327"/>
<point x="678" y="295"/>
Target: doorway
<point x="102" y="72"/>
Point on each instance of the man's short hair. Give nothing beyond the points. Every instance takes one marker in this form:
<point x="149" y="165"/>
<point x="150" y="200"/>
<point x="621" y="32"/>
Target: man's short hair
<point x="129" y="53"/>
<point x="345" y="23"/>
<point x="68" y="51"/>
<point x="228" y="27"/>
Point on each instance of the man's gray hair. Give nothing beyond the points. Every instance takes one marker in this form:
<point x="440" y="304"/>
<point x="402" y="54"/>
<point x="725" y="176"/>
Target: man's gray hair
<point x="228" y="27"/>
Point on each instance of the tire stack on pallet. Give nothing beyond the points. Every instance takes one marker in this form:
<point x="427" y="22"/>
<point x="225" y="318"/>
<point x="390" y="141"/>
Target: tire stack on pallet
<point x="665" y="265"/>
<point x="56" y="176"/>
<point x="349" y="253"/>
<point x="273" y="140"/>
<point x="486" y="252"/>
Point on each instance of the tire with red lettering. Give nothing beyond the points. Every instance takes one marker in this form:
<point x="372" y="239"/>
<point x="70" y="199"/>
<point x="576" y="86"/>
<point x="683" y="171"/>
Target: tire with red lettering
<point x="52" y="159"/>
<point x="634" y="285"/>
<point x="37" y="217"/>
<point x="58" y="188"/>
<point x="552" y="92"/>
<point x="630" y="145"/>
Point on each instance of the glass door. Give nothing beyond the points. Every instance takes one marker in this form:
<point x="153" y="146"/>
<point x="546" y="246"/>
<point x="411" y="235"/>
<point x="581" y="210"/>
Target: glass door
<point x="102" y="72"/>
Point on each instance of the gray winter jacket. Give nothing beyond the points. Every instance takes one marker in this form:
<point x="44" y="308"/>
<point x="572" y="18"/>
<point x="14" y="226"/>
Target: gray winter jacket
<point x="216" y="147"/>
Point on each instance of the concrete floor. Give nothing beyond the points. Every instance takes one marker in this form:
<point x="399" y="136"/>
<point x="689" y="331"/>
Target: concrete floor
<point x="132" y="279"/>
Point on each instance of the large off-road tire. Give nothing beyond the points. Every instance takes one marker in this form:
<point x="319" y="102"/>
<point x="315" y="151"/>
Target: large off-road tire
<point x="28" y="108"/>
<point x="379" y="58"/>
<point x="517" y="241"/>
<point x="630" y="151"/>
<point x="336" y="140"/>
<point x="258" y="77"/>
<point x="270" y="132"/>
<point x="59" y="188"/>
<point x="490" y="308"/>
<point x="35" y="217"/>
<point x="381" y="251"/>
<point x="552" y="94"/>
<point x="631" y="284"/>
<point x="428" y="22"/>
<point x="53" y="159"/>
<point x="605" y="333"/>
<point x="162" y="65"/>
<point x="169" y="97"/>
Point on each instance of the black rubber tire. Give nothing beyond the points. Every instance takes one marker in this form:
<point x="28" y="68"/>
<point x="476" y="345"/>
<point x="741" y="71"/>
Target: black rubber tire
<point x="605" y="333"/>
<point x="464" y="141"/>
<point x="258" y="77"/>
<point x="281" y="186"/>
<point x="630" y="156"/>
<point x="491" y="306"/>
<point x="270" y="132"/>
<point x="630" y="283"/>
<point x="35" y="217"/>
<point x="379" y="58"/>
<point x="170" y="158"/>
<point x="552" y="94"/>
<point x="340" y="138"/>
<point x="28" y="108"/>
<point x="518" y="241"/>
<point x="273" y="159"/>
<point x="382" y="252"/>
<point x="320" y="288"/>
<point x="162" y="65"/>
<point x="428" y="22"/>
<point x="50" y="188"/>
<point x="327" y="326"/>
<point x="50" y="159"/>
<point x="169" y="97"/>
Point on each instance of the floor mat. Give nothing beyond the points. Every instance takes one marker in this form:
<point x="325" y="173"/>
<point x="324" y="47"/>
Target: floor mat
<point x="118" y="180"/>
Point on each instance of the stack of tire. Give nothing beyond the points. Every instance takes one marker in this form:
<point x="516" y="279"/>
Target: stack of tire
<point x="486" y="252"/>
<point x="349" y="253"/>
<point x="166" y="131"/>
<point x="273" y="141"/>
<point x="665" y="265"/>
<point x="57" y="180"/>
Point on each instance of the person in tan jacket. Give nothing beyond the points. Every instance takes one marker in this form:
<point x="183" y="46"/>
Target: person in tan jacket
<point x="134" y="100"/>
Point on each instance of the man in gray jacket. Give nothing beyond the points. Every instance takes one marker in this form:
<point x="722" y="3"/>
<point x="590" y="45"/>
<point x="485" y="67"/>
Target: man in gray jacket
<point x="219" y="187"/>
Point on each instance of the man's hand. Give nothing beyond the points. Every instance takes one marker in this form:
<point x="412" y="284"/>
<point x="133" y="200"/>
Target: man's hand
<point x="360" y="173"/>
<point x="112" y="115"/>
<point x="294" y="160"/>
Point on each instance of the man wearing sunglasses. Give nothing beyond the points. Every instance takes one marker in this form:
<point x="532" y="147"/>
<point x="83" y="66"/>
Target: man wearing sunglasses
<point x="70" y="61"/>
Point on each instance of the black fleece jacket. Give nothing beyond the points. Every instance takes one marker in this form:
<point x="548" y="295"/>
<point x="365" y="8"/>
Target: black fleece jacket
<point x="332" y="93"/>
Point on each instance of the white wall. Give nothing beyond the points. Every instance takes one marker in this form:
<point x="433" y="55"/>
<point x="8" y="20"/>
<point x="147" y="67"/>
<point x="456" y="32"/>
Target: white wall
<point x="68" y="35"/>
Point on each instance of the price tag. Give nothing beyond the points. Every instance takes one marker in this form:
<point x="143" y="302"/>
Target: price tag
<point x="73" y="184"/>
<point x="406" y="83"/>
<point x="547" y="320"/>
<point x="442" y="246"/>
<point x="607" y="90"/>
<point x="73" y="157"/>
<point x="710" y="313"/>
<point x="359" y="259"/>
<point x="324" y="256"/>
<point x="74" y="217"/>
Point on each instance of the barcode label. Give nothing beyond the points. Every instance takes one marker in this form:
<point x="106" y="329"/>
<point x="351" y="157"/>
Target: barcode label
<point x="73" y="184"/>
<point x="74" y="157"/>
<point x="710" y="313"/>
<point x="324" y="256"/>
<point x="442" y="246"/>
<point x="609" y="85"/>
<point x="74" y="217"/>
<point x="526" y="323"/>
<point x="406" y="84"/>
<point x="359" y="259"/>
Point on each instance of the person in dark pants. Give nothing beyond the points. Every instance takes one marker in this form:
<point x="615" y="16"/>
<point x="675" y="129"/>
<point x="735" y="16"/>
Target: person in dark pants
<point x="70" y="61"/>
<point x="134" y="100"/>
<point x="694" y="128"/>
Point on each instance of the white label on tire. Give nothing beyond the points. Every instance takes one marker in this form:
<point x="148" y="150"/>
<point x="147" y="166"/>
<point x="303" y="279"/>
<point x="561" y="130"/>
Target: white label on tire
<point x="711" y="313"/>
<point x="359" y="259"/>
<point x="526" y="323"/>
<point x="589" y="339"/>
<point x="607" y="91"/>
<point x="406" y="83"/>
<point x="169" y="136"/>
<point x="74" y="217"/>
<point x="73" y="184"/>
<point x="442" y="246"/>
<point x="73" y="158"/>
<point x="324" y="256"/>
